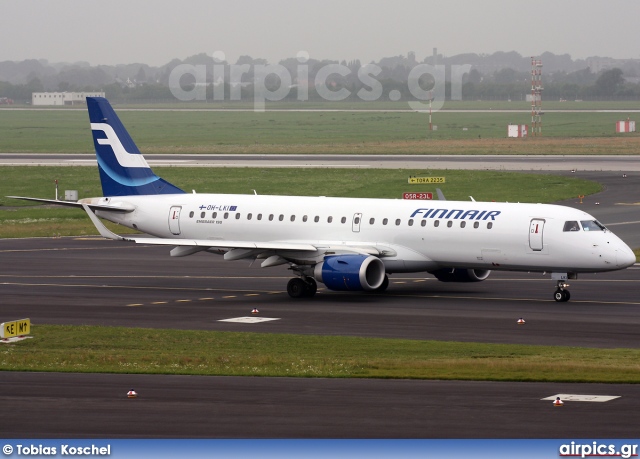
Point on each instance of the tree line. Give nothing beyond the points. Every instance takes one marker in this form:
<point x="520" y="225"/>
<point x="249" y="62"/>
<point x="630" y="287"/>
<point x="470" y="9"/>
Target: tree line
<point x="486" y="78"/>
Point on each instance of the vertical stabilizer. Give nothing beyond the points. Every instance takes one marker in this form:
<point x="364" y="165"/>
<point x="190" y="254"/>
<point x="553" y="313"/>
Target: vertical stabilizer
<point x="123" y="169"/>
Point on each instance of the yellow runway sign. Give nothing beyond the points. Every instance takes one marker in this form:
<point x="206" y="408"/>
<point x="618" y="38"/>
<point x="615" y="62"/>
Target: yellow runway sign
<point x="421" y="180"/>
<point x="15" y="328"/>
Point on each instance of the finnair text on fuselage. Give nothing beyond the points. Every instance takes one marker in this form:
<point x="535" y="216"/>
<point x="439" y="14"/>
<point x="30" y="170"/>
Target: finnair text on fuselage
<point x="456" y="214"/>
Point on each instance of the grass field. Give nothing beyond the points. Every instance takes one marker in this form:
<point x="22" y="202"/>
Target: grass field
<point x="134" y="350"/>
<point x="67" y="131"/>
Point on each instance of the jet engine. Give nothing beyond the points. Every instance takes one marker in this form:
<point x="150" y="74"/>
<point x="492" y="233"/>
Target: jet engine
<point x="350" y="272"/>
<point x="461" y="275"/>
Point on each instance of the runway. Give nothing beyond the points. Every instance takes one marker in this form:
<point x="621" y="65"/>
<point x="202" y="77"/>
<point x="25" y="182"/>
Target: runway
<point x="561" y="163"/>
<point x="57" y="281"/>
<point x="62" y="405"/>
<point x="104" y="282"/>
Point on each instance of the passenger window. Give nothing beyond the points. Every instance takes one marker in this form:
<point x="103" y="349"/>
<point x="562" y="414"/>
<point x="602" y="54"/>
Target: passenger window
<point x="316" y="219"/>
<point x="202" y="214"/>
<point x="293" y="218"/>
<point x="372" y="221"/>
<point x="237" y="216"/>
<point x="249" y="216"/>
<point x="449" y="224"/>
<point x="489" y="225"/>
<point x="270" y="217"/>
<point x="436" y="223"/>
<point x="423" y="222"/>
<point x="397" y="222"/>
<point x="214" y="215"/>
<point x="476" y="224"/>
<point x="410" y="222"/>
<point x="385" y="221"/>
<point x="281" y="217"/>
<point x="571" y="226"/>
<point x="259" y="217"/>
<point x="329" y="219"/>
<point x="191" y="214"/>
<point x="356" y="220"/>
<point x="226" y="215"/>
<point x="463" y="224"/>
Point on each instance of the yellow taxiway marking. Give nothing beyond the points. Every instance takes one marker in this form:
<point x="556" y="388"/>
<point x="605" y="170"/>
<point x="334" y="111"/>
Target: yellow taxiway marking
<point x="252" y="294"/>
<point x="183" y="301"/>
<point x="160" y="302"/>
<point x="229" y="296"/>
<point x="205" y="299"/>
<point x="135" y="304"/>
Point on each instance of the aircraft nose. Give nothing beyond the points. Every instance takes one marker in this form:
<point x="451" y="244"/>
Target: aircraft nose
<point x="625" y="256"/>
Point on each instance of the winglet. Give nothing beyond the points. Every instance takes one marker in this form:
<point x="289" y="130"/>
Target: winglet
<point x="103" y="230"/>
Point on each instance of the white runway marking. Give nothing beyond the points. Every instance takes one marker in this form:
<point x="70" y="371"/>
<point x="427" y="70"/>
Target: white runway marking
<point x="582" y="398"/>
<point x="249" y="320"/>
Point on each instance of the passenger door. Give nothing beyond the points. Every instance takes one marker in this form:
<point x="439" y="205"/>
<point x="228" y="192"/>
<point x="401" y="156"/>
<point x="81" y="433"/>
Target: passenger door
<point x="536" y="240"/>
<point x="174" y="220"/>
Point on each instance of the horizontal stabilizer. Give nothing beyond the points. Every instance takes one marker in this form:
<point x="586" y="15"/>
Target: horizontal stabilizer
<point x="119" y="207"/>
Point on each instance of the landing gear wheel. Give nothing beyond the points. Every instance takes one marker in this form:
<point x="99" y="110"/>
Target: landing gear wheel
<point x="561" y="295"/>
<point x="296" y="288"/>
<point x="302" y="288"/>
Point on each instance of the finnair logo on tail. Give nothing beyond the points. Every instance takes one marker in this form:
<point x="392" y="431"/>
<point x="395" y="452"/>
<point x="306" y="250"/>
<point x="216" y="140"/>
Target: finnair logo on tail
<point x="125" y="159"/>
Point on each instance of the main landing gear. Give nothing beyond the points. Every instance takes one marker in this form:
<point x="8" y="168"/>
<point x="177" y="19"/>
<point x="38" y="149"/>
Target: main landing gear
<point x="302" y="287"/>
<point x="562" y="295"/>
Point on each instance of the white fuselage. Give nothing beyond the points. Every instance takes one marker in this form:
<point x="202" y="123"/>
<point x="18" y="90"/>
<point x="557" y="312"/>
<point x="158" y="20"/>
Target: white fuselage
<point x="414" y="235"/>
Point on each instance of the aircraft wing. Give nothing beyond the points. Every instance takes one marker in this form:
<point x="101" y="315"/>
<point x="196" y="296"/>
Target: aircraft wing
<point x="213" y="243"/>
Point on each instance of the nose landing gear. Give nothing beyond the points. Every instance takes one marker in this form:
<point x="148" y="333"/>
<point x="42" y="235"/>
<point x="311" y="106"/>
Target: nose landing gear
<point x="562" y="295"/>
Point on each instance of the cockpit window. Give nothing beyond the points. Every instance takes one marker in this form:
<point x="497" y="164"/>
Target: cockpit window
<point x="571" y="226"/>
<point x="592" y="225"/>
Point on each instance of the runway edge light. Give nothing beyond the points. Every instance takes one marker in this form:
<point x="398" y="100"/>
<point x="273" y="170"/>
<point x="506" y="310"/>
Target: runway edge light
<point x="558" y="402"/>
<point x="132" y="394"/>
<point x="521" y="321"/>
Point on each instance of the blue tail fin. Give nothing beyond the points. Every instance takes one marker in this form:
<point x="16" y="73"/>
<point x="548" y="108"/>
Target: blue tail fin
<point x="123" y="169"/>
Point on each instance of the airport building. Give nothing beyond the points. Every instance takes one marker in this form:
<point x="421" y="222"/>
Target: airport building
<point x="62" y="98"/>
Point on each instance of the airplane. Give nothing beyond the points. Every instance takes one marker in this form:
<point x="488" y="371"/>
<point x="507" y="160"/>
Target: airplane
<point x="348" y="244"/>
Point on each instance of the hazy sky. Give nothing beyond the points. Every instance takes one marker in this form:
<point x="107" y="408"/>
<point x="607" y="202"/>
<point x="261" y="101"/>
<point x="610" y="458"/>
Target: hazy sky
<point x="154" y="32"/>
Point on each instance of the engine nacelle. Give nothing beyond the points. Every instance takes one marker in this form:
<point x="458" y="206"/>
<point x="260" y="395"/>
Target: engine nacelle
<point x="461" y="275"/>
<point x="350" y="272"/>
